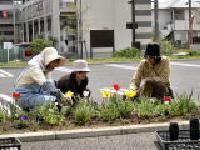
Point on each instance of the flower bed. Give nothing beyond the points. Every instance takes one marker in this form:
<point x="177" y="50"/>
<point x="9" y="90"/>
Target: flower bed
<point x="116" y="109"/>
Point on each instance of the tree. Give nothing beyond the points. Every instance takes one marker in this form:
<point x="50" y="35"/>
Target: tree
<point x="38" y="45"/>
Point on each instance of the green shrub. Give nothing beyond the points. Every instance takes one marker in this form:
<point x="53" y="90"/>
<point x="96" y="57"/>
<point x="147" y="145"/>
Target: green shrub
<point x="83" y="112"/>
<point x="194" y="53"/>
<point x="182" y="104"/>
<point x="39" y="44"/>
<point x="166" y="47"/>
<point x="129" y="52"/>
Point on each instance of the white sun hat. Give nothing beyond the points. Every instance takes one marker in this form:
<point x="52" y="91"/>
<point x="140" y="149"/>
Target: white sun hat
<point x="80" y="65"/>
<point x="51" y="54"/>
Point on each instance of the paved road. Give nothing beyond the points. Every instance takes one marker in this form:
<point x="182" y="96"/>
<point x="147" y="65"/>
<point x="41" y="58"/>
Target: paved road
<point x="184" y="76"/>
<point x="141" y="141"/>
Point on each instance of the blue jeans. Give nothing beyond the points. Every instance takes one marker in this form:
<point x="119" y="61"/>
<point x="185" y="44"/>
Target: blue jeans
<point x="34" y="95"/>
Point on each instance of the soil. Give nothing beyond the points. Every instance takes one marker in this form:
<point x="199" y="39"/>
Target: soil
<point x="9" y="128"/>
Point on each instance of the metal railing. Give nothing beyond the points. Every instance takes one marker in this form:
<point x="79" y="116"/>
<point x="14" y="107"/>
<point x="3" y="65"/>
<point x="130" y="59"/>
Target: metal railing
<point x="11" y="54"/>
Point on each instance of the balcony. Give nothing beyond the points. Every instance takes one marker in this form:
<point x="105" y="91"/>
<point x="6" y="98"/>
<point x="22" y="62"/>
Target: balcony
<point x="67" y="6"/>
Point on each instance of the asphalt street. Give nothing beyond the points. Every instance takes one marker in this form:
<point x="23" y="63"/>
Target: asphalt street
<point x="141" y="141"/>
<point x="184" y="77"/>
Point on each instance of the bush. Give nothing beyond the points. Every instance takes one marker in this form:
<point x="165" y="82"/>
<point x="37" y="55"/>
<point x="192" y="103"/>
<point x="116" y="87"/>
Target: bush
<point x="129" y="52"/>
<point x="39" y="44"/>
<point x="194" y="53"/>
<point x="166" y="47"/>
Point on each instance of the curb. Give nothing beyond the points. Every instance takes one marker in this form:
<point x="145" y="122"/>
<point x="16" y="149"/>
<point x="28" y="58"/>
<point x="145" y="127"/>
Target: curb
<point x="95" y="132"/>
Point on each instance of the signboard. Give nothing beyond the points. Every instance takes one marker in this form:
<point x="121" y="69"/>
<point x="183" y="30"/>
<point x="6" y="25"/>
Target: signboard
<point x="7" y="45"/>
<point x="101" y="38"/>
<point x="129" y="25"/>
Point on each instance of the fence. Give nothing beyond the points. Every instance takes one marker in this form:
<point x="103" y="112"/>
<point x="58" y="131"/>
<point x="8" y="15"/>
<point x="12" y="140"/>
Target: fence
<point x="12" y="54"/>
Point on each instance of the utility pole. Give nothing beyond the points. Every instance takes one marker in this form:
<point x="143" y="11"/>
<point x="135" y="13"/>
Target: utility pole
<point x="80" y="29"/>
<point x="133" y="21"/>
<point x="132" y="25"/>
<point x="14" y="20"/>
<point x="190" y="25"/>
<point x="156" y="21"/>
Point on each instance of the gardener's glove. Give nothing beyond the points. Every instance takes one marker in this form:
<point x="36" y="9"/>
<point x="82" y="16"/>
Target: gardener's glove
<point x="86" y="93"/>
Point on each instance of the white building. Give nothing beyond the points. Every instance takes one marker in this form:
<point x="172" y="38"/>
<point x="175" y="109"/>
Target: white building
<point x="174" y="20"/>
<point x="60" y="19"/>
<point x="113" y="15"/>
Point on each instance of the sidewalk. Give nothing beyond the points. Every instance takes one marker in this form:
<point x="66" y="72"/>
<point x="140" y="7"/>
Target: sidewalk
<point x="95" y="132"/>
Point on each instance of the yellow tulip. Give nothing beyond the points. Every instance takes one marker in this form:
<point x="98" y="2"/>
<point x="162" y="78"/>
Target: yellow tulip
<point x="69" y="94"/>
<point x="130" y="93"/>
<point x="106" y="93"/>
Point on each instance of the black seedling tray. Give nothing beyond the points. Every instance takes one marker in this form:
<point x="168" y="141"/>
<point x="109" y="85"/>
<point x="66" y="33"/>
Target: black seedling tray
<point x="183" y="143"/>
<point x="10" y="143"/>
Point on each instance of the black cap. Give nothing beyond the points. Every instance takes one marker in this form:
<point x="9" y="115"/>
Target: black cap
<point x="152" y="50"/>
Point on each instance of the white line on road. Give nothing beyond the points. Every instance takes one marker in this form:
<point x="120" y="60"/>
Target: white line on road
<point x="5" y="73"/>
<point x="185" y="65"/>
<point x="122" y="66"/>
<point x="128" y="67"/>
<point x="1" y="75"/>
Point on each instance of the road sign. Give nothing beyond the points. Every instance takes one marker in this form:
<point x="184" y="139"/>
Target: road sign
<point x="7" y="45"/>
<point x="129" y="25"/>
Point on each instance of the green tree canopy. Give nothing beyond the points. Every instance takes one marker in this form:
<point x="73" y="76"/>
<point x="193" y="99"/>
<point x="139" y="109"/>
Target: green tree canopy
<point x="38" y="45"/>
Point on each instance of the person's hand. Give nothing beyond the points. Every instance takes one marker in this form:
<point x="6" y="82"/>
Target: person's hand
<point x="149" y="79"/>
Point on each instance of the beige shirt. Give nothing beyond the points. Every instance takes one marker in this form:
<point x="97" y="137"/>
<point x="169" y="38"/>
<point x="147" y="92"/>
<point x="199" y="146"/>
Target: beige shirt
<point x="158" y="72"/>
<point x="32" y="75"/>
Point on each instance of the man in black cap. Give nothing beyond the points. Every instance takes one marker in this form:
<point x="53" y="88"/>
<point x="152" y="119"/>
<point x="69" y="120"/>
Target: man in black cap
<point x="151" y="79"/>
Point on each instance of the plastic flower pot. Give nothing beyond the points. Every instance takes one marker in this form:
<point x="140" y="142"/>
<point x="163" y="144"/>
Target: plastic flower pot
<point x="194" y="129"/>
<point x="173" y="131"/>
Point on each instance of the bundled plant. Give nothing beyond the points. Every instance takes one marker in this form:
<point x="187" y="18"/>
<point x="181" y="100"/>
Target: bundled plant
<point x="50" y="114"/>
<point x="183" y="104"/>
<point x="83" y="112"/>
<point x="125" y="108"/>
<point x="145" y="108"/>
<point x="3" y="116"/>
<point x="109" y="112"/>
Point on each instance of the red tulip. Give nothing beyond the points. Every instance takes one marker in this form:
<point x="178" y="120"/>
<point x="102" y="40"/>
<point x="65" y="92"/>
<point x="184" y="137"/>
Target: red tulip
<point x="16" y="94"/>
<point x="167" y="99"/>
<point x="116" y="87"/>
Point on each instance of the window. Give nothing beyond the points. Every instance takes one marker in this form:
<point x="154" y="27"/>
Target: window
<point x="179" y="15"/>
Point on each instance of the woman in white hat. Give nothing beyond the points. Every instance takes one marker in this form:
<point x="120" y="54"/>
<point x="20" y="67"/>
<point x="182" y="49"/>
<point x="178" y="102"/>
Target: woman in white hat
<point x="77" y="80"/>
<point x="34" y="82"/>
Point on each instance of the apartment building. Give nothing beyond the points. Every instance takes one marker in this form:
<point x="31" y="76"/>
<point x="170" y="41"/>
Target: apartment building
<point x="113" y="15"/>
<point x="8" y="21"/>
<point x="174" y="21"/>
<point x="66" y="21"/>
